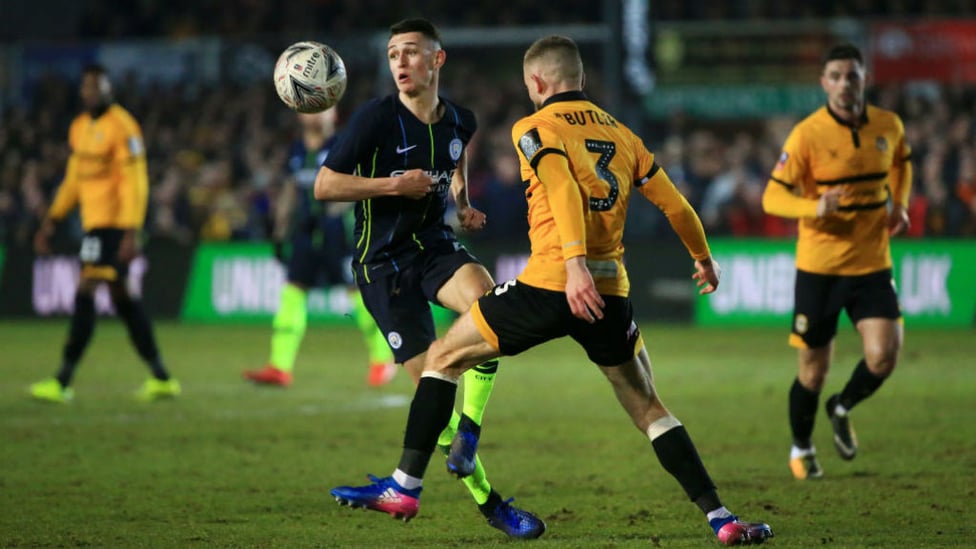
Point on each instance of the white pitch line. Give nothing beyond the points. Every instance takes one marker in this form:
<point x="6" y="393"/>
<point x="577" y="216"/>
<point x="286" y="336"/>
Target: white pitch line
<point x="164" y="412"/>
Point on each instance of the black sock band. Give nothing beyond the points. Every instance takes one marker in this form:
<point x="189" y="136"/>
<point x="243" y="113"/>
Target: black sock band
<point x="488" y="507"/>
<point x="677" y="454"/>
<point x="708" y="502"/>
<point x="489" y="367"/>
<point x="79" y="335"/>
<point x="803" y="412"/>
<point x="862" y="384"/>
<point x="468" y="424"/>
<point x="430" y="413"/>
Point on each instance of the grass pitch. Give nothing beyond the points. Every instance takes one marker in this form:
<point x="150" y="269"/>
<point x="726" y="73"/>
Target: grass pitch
<point x="232" y="465"/>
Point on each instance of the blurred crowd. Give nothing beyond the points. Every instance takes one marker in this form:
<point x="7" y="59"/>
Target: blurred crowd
<point x="216" y="155"/>
<point x="217" y="152"/>
<point x="216" y="159"/>
<point x="179" y="18"/>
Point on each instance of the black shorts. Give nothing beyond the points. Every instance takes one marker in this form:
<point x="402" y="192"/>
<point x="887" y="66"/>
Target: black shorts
<point x="515" y="317"/>
<point x="819" y="299"/>
<point x="320" y="257"/>
<point x="99" y="254"/>
<point x="400" y="302"/>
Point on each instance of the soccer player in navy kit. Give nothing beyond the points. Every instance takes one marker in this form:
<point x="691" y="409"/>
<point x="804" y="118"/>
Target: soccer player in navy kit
<point x="317" y="254"/>
<point x="397" y="159"/>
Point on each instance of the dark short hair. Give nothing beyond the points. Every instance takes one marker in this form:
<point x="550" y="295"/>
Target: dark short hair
<point x="416" y="24"/>
<point x="94" y="68"/>
<point x="842" y="51"/>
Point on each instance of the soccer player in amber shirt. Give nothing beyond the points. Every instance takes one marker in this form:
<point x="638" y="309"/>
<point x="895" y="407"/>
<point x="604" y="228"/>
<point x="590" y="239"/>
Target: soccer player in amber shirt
<point x="581" y="165"/>
<point x="106" y="177"/>
<point x="840" y="168"/>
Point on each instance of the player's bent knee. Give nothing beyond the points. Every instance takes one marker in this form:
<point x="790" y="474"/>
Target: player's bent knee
<point x="478" y="279"/>
<point x="881" y="356"/>
<point x="813" y="367"/>
<point x="438" y="357"/>
<point x="882" y="364"/>
<point x="812" y="379"/>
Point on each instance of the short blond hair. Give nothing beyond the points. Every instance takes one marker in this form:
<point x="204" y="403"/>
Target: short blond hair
<point x="560" y="58"/>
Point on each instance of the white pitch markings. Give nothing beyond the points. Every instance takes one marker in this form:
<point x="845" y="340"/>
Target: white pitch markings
<point x="165" y="412"/>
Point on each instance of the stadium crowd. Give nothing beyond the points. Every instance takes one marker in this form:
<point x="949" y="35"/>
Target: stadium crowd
<point x="216" y="153"/>
<point x="111" y="19"/>
<point x="216" y="159"/>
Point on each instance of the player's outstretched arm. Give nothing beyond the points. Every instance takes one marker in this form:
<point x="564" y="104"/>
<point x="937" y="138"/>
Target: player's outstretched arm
<point x="42" y="237"/>
<point x="470" y="218"/>
<point x="341" y="187"/>
<point x="901" y="189"/>
<point x="898" y="221"/>
<point x="779" y="200"/>
<point x="660" y="190"/>
<point x="584" y="300"/>
<point x="65" y="199"/>
<point x="707" y="274"/>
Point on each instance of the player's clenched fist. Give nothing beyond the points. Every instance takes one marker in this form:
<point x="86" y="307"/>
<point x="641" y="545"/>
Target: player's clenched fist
<point x="414" y="184"/>
<point x="471" y="219"/>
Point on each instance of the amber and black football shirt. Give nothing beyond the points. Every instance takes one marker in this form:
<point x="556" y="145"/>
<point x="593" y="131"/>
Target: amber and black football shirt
<point x="871" y="161"/>
<point x="581" y="165"/>
<point x="106" y="172"/>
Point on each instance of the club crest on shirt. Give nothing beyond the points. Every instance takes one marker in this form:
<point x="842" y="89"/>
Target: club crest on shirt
<point x="801" y="324"/>
<point x="530" y="143"/>
<point x="881" y="143"/>
<point x="455" y="148"/>
<point x="135" y="146"/>
<point x="782" y="160"/>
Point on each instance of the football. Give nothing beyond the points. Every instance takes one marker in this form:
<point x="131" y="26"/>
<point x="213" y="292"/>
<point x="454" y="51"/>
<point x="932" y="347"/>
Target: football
<point x="310" y="77"/>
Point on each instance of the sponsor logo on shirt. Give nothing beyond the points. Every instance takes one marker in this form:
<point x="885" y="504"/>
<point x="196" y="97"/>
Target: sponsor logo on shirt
<point x="442" y="178"/>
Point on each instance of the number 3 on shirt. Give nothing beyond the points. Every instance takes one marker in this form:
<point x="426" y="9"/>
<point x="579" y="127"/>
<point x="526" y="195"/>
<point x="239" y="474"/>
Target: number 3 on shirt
<point x="606" y="150"/>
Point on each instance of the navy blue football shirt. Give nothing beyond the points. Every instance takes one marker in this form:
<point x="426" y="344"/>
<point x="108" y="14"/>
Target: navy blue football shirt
<point x="303" y="165"/>
<point x="384" y="139"/>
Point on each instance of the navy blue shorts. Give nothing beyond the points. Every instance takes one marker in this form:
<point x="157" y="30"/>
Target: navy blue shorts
<point x="400" y="302"/>
<point x="819" y="299"/>
<point x="320" y="255"/>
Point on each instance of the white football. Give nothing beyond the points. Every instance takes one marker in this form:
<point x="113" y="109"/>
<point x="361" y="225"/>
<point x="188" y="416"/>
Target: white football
<point x="310" y="77"/>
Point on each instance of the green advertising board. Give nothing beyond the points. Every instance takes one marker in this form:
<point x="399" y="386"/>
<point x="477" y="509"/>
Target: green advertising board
<point x="934" y="280"/>
<point x="241" y="282"/>
<point x="734" y="101"/>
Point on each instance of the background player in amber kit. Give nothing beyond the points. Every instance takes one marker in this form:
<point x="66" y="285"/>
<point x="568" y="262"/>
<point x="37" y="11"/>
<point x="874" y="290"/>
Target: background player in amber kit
<point x="581" y="166"/>
<point x="106" y="176"/>
<point x="840" y="168"/>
